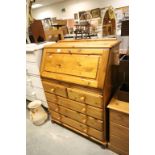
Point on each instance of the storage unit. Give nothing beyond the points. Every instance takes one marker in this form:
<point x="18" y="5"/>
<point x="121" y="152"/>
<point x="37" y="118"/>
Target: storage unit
<point x="34" y="88"/>
<point x="119" y="126"/>
<point x="76" y="76"/>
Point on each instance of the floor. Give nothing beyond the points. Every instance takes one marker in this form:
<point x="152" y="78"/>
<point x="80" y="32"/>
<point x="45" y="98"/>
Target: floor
<point x="52" y="139"/>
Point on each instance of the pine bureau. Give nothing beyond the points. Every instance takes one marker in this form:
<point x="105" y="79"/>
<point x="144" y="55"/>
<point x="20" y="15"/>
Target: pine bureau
<point x="76" y="76"/>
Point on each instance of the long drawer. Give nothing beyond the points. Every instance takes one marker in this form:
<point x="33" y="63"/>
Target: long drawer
<point x="95" y="123"/>
<point x="95" y="112"/>
<point x="85" y="97"/>
<point x="73" y="114"/>
<point x="54" y="88"/>
<point x="74" y="124"/>
<point x="80" y="107"/>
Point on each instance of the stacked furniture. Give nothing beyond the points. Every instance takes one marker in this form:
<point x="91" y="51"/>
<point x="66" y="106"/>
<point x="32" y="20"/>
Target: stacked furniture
<point x="76" y="76"/>
<point x="34" y="88"/>
<point x="119" y="126"/>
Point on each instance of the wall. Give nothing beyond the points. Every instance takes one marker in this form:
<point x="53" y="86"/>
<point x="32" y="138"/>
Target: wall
<point x="74" y="6"/>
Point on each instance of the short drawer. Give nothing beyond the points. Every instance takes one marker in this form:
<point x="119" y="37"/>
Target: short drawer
<point x="51" y="97"/>
<point x="95" y="123"/>
<point x="85" y="97"/>
<point x="119" y="118"/>
<point x="33" y="81"/>
<point x="95" y="133"/>
<point x="32" y="68"/>
<point x="73" y="114"/>
<point x="74" y="124"/>
<point x="55" y="115"/>
<point x="80" y="107"/>
<point x="95" y="112"/>
<point x="54" y="88"/>
<point x="53" y="106"/>
<point x="119" y="143"/>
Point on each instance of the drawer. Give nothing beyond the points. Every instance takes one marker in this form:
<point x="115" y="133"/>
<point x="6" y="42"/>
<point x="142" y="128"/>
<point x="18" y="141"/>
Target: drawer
<point x="54" y="88"/>
<point x="80" y="107"/>
<point x="37" y="93"/>
<point x="31" y="57"/>
<point x="95" y="133"/>
<point x="32" y="68"/>
<point x="53" y="106"/>
<point x="33" y="81"/>
<point x="74" y="124"/>
<point x="73" y="114"/>
<point x="120" y="131"/>
<point x="119" y="118"/>
<point x="51" y="97"/>
<point x="85" y="97"/>
<point x="119" y="143"/>
<point x="95" y="112"/>
<point x="55" y="115"/>
<point x="95" y="123"/>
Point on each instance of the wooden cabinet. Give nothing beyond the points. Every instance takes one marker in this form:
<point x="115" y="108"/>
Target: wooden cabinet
<point x="76" y="78"/>
<point x="119" y="126"/>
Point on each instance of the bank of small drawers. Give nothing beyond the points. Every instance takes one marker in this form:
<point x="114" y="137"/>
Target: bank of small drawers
<point x="76" y="109"/>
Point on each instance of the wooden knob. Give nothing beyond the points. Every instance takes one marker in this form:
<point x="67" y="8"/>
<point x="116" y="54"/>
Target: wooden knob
<point x="52" y="90"/>
<point x="58" y="50"/>
<point x="84" y="121"/>
<point x="56" y="109"/>
<point x="58" y="118"/>
<point x="85" y="130"/>
<point x="82" y="98"/>
<point x="83" y="110"/>
<point x="50" y="56"/>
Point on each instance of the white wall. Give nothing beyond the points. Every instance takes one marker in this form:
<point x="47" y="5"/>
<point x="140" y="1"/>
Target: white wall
<point x="74" y="6"/>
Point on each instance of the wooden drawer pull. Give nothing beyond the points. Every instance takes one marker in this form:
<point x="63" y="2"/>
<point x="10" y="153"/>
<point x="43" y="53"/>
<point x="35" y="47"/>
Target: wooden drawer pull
<point x="58" y="118"/>
<point x="56" y="109"/>
<point x="83" y="110"/>
<point x="58" y="50"/>
<point x="84" y="121"/>
<point x="85" y="130"/>
<point x="52" y="90"/>
<point x="82" y="98"/>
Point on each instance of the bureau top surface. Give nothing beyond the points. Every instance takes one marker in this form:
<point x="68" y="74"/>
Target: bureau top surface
<point x="97" y="43"/>
<point x="118" y="105"/>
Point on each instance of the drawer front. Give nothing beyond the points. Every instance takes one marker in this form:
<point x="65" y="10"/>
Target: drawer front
<point x="119" y="118"/>
<point x="32" y="68"/>
<point x="51" y="97"/>
<point x="55" y="115"/>
<point x="95" y="133"/>
<point x="53" y="106"/>
<point x="37" y="93"/>
<point x="74" y="124"/>
<point x="95" y="112"/>
<point x="54" y="88"/>
<point x="72" y="64"/>
<point x="85" y="97"/>
<point x="120" y="131"/>
<point x="73" y="114"/>
<point x="95" y="123"/>
<point x="80" y="107"/>
<point x="33" y="81"/>
<point x="119" y="143"/>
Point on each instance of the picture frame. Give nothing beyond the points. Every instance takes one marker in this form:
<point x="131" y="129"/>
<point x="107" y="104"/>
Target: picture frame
<point x="96" y="13"/>
<point x="76" y="16"/>
<point x="82" y="15"/>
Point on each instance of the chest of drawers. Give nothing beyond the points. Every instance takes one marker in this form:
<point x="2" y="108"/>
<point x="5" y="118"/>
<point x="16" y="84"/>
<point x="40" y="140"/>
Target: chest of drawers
<point x="119" y="126"/>
<point x="76" y="76"/>
<point x="34" y="88"/>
